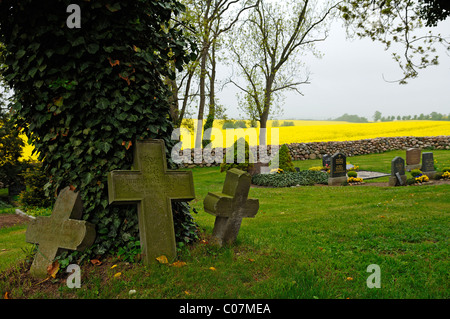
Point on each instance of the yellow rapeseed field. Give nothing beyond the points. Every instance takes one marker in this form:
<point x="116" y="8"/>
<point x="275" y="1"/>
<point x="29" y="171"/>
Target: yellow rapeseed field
<point x="325" y="131"/>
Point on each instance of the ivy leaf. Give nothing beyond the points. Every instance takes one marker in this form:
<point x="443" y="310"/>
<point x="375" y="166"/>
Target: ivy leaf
<point x="93" y="48"/>
<point x="113" y="8"/>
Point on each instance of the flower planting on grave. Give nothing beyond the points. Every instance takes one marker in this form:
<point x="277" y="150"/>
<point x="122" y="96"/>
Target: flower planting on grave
<point x="288" y="179"/>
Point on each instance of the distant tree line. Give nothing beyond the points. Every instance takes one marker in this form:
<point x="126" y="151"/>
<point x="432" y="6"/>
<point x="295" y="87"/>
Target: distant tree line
<point x="351" y="118"/>
<point x="433" y="116"/>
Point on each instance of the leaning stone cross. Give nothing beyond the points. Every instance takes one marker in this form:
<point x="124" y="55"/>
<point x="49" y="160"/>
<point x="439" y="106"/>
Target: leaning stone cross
<point x="152" y="187"/>
<point x="231" y="205"/>
<point x="61" y="230"/>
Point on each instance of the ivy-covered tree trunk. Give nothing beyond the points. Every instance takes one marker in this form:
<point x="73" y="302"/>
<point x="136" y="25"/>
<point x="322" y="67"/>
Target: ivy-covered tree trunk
<point x="84" y="95"/>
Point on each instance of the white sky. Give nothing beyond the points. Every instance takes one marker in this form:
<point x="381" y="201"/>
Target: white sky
<point x="349" y="79"/>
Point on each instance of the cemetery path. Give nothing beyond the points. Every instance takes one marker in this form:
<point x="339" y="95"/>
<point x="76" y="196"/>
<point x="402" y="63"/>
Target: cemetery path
<point x="11" y="220"/>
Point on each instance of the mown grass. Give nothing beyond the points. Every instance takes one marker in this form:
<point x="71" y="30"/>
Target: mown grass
<point x="305" y="242"/>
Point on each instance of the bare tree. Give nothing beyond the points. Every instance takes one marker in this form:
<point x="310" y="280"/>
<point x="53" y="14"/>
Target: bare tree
<point x="268" y="47"/>
<point x="211" y="19"/>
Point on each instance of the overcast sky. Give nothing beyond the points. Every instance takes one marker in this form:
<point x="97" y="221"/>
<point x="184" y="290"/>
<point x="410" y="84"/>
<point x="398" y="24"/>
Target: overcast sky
<point x="349" y="79"/>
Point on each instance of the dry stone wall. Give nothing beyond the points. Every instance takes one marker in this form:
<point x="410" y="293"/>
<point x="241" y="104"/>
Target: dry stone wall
<point x="315" y="150"/>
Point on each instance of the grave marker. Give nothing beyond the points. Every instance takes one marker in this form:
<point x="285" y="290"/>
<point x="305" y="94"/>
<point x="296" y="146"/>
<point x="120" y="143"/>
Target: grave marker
<point x="398" y="176"/>
<point x="61" y="230"/>
<point x="152" y="186"/>
<point x="338" y="170"/>
<point x="231" y="205"/>
<point x="428" y="164"/>
<point x="413" y="158"/>
<point x="326" y="160"/>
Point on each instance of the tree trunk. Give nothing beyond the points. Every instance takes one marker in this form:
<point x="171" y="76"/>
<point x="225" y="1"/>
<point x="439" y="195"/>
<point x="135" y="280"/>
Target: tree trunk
<point x="201" y="107"/>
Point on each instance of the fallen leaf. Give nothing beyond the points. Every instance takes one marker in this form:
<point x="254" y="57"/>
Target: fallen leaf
<point x="113" y="266"/>
<point x="6" y="296"/>
<point x="187" y="292"/>
<point x="178" y="264"/>
<point x="117" y="275"/>
<point x="251" y="259"/>
<point x="349" y="278"/>
<point x="212" y="268"/>
<point x="96" y="262"/>
<point x="53" y="269"/>
<point x="162" y="259"/>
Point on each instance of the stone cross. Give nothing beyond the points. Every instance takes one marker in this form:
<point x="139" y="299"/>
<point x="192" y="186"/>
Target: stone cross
<point x="428" y="164"/>
<point x="152" y="187"/>
<point x="338" y="169"/>
<point x="231" y="205"/>
<point x="398" y="176"/>
<point x="61" y="230"/>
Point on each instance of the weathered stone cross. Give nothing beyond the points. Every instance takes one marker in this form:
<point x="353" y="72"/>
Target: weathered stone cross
<point x="61" y="230"/>
<point x="152" y="187"/>
<point x="231" y="205"/>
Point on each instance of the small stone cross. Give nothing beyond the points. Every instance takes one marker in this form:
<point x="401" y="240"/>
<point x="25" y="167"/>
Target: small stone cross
<point x="61" y="230"/>
<point x="152" y="187"/>
<point x="231" y="205"/>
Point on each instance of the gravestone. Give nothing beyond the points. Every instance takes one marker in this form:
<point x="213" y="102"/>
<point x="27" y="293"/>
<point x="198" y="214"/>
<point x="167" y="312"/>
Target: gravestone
<point x="231" y="206"/>
<point x="61" y="230"/>
<point x="398" y="176"/>
<point x="152" y="187"/>
<point x="428" y="165"/>
<point x="338" y="170"/>
<point x="326" y="160"/>
<point x="412" y="158"/>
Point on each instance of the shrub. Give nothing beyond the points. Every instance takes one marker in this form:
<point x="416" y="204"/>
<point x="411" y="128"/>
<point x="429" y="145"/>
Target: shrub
<point x="303" y="178"/>
<point x="34" y="195"/>
<point x="316" y="168"/>
<point x="284" y="160"/>
<point x="240" y="124"/>
<point x="352" y="174"/>
<point x="285" y="123"/>
<point x="245" y="164"/>
<point x="410" y="181"/>
<point x="416" y="172"/>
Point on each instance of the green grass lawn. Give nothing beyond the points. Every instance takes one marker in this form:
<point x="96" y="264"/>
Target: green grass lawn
<point x="305" y="242"/>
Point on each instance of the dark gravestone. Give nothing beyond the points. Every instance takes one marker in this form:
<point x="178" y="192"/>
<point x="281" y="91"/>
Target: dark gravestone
<point x="326" y="160"/>
<point x="338" y="170"/>
<point x="61" y="230"/>
<point x="398" y="176"/>
<point x="413" y="158"/>
<point x="428" y="164"/>
<point x="152" y="187"/>
<point x="231" y="205"/>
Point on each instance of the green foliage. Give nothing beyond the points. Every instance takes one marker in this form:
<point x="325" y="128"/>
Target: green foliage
<point x="287" y="123"/>
<point x="83" y="95"/>
<point x="303" y="178"/>
<point x="244" y="164"/>
<point x="352" y="174"/>
<point x="231" y="124"/>
<point x="11" y="145"/>
<point x="34" y="195"/>
<point x="446" y="169"/>
<point x="284" y="159"/>
<point x="351" y="118"/>
<point x="416" y="172"/>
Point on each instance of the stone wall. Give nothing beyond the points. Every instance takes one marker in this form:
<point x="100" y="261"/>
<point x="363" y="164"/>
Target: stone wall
<point x="315" y="150"/>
